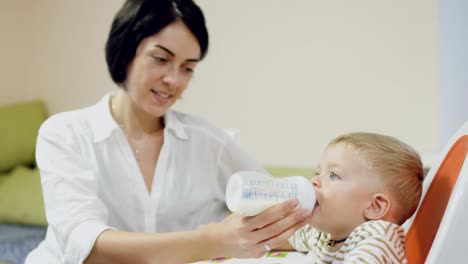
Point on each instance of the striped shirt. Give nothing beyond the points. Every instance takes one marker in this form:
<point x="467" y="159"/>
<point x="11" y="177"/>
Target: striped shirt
<point x="372" y="242"/>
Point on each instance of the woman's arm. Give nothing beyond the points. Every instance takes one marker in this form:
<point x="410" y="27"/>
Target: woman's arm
<point x="126" y="247"/>
<point x="235" y="236"/>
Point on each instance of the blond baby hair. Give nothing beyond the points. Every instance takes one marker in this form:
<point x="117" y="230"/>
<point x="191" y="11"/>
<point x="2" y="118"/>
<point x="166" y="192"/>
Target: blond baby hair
<point x="397" y="163"/>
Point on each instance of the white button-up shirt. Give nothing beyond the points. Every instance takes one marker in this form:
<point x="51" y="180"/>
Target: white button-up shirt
<point x="91" y="180"/>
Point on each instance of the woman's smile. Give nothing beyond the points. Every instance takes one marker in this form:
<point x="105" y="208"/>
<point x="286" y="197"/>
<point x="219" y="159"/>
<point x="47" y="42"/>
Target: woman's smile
<point x="162" y="97"/>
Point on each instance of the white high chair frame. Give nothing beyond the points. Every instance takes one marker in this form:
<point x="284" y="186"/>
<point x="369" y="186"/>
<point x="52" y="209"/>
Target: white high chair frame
<point x="437" y="232"/>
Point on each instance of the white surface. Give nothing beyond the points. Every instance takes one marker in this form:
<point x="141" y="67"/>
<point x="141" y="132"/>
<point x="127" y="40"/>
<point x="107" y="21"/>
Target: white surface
<point x="451" y="241"/>
<point x="453" y="90"/>
<point x="292" y="257"/>
<point x="429" y="160"/>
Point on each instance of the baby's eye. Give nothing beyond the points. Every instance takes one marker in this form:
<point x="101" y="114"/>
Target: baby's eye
<point x="334" y="176"/>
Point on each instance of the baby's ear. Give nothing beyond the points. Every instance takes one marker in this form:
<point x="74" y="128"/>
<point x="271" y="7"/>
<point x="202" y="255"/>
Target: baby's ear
<point x="378" y="208"/>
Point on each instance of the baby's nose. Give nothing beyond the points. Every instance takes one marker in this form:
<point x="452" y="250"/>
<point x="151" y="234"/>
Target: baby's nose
<point x="315" y="181"/>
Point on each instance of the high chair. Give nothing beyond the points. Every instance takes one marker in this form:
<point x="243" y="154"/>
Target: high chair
<point x="438" y="233"/>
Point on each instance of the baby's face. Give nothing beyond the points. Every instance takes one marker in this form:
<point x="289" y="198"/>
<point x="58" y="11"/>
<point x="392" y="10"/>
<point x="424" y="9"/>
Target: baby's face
<point x="344" y="186"/>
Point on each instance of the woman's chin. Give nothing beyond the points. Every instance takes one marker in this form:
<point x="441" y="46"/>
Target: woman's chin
<point x="157" y="111"/>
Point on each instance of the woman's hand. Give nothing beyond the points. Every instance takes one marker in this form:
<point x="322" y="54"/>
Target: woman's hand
<point x="243" y="237"/>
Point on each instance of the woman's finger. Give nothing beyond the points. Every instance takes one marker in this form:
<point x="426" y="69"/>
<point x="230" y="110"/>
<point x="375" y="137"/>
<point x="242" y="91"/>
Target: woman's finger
<point x="282" y="238"/>
<point x="272" y="214"/>
<point x="283" y="224"/>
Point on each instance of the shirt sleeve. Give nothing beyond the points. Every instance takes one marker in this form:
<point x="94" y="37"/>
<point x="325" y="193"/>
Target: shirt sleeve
<point x="376" y="249"/>
<point x="74" y="212"/>
<point x="302" y="239"/>
<point x="233" y="159"/>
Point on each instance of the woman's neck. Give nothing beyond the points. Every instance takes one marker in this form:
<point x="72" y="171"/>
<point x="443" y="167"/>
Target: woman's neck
<point x="135" y="120"/>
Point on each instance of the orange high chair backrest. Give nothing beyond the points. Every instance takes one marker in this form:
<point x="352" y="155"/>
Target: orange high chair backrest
<point x="430" y="212"/>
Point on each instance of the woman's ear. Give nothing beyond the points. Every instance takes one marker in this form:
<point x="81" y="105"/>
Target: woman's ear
<point x="378" y="208"/>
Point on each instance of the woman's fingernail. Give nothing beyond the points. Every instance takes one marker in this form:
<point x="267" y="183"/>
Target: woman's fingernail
<point x="306" y="213"/>
<point x="293" y="203"/>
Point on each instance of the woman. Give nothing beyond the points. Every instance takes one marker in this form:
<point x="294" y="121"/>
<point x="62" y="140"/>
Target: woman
<point x="128" y="179"/>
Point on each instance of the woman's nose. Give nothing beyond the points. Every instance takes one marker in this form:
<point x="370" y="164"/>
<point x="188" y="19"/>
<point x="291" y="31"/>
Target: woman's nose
<point x="172" y="78"/>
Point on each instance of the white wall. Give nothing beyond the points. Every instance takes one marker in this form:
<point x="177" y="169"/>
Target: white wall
<point x="290" y="75"/>
<point x="453" y="67"/>
<point x="59" y="54"/>
<point x="15" y="50"/>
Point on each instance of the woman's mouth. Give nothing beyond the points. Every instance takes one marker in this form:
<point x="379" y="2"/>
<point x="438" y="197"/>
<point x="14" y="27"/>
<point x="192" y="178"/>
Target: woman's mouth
<point x="161" y="97"/>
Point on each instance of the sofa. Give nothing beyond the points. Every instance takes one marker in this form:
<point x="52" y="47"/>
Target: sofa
<point x="22" y="217"/>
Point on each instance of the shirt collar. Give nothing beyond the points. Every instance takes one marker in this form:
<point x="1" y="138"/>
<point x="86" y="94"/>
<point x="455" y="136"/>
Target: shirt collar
<point x="103" y="124"/>
<point x="174" y="124"/>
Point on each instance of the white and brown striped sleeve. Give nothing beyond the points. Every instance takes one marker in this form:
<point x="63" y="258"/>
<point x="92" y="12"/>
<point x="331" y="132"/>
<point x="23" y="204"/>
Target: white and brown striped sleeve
<point x="381" y="242"/>
<point x="303" y="238"/>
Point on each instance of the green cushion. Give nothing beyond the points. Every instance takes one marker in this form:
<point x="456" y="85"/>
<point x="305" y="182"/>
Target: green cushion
<point x="2" y="179"/>
<point x="21" y="200"/>
<point x="18" y="131"/>
<point x="278" y="171"/>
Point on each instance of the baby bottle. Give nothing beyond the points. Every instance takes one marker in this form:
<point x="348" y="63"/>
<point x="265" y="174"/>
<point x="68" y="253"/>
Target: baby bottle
<point x="249" y="193"/>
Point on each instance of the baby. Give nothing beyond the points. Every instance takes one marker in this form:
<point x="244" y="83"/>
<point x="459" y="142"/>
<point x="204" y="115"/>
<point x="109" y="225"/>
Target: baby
<point x="366" y="185"/>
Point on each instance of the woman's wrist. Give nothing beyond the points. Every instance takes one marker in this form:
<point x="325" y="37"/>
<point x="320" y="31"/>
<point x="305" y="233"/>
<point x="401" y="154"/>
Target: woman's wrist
<point x="211" y="240"/>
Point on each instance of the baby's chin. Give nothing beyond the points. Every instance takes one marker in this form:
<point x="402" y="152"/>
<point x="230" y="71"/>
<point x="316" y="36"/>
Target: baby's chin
<point x="321" y="224"/>
<point x="315" y="215"/>
<point x="322" y="227"/>
<point x="314" y="221"/>
<point x="319" y="227"/>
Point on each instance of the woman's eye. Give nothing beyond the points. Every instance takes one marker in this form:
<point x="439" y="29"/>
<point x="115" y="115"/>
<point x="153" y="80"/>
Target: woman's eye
<point x="160" y="59"/>
<point x="334" y="176"/>
<point x="189" y="70"/>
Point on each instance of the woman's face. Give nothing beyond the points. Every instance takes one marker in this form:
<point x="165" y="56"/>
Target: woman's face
<point x="161" y="69"/>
